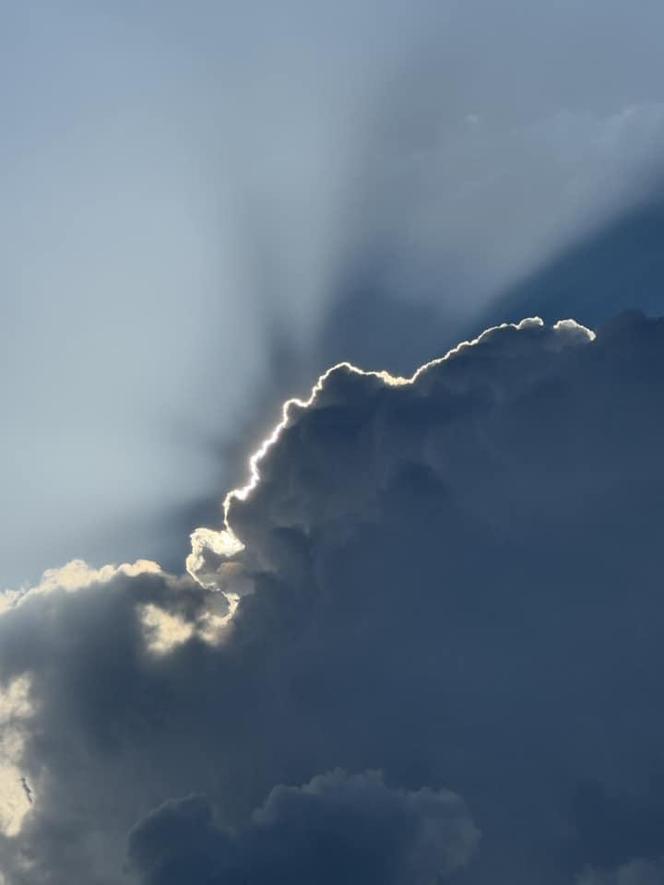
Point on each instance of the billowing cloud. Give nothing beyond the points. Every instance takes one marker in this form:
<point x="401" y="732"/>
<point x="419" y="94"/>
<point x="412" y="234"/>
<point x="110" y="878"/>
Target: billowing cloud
<point x="337" y="828"/>
<point x="452" y="579"/>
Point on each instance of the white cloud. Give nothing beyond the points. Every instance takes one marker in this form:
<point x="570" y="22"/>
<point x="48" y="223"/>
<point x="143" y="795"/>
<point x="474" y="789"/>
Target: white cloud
<point x="15" y="793"/>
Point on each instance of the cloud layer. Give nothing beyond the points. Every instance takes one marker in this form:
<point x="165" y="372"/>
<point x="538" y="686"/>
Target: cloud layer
<point x="334" y="829"/>
<point x="450" y="579"/>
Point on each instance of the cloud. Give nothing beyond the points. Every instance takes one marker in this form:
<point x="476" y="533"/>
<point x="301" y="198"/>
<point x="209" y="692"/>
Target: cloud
<point x="336" y="828"/>
<point x="81" y="654"/>
<point x="216" y="548"/>
<point x="449" y="578"/>
<point x="15" y="793"/>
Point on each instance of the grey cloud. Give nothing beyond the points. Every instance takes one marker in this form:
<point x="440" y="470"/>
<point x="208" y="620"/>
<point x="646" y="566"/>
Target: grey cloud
<point x="337" y="828"/>
<point x="452" y="581"/>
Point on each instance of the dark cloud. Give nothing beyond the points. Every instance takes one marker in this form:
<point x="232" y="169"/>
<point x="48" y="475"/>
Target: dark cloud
<point x="452" y="581"/>
<point x="337" y="828"/>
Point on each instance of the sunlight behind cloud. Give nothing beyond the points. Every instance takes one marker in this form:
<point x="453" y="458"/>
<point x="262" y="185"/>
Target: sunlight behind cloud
<point x="15" y="793"/>
<point x="163" y="631"/>
<point x="76" y="575"/>
<point x="211" y="550"/>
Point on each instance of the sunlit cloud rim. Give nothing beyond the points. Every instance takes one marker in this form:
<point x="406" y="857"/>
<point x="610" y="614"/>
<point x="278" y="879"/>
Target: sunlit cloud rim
<point x="225" y="542"/>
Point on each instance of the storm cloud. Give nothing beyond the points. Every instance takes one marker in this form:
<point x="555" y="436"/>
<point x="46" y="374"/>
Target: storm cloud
<point x="334" y="829"/>
<point x="426" y="643"/>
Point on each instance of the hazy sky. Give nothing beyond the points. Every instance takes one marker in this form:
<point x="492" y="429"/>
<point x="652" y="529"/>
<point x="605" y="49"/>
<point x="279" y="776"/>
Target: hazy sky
<point x="186" y="185"/>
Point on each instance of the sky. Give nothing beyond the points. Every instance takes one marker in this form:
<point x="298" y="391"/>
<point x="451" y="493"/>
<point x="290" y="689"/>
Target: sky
<point x="206" y="204"/>
<point x="419" y="642"/>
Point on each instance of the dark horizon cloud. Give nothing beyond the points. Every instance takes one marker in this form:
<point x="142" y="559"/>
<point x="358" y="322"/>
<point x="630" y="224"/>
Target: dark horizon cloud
<point x="451" y="581"/>
<point x="310" y="834"/>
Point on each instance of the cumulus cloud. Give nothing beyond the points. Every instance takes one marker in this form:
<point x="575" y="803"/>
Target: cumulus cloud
<point x="336" y="828"/>
<point x="450" y="578"/>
